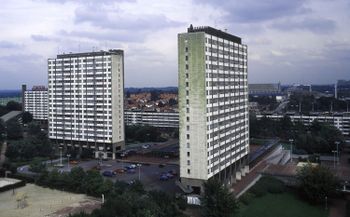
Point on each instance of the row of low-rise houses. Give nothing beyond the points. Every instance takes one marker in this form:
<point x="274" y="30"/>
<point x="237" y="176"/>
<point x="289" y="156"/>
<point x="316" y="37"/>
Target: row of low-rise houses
<point x="340" y="121"/>
<point x="85" y="105"/>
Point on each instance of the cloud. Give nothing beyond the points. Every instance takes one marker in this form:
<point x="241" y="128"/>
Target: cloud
<point x="258" y="11"/>
<point x="9" y="45"/>
<point x="22" y="68"/>
<point x="104" y="35"/>
<point x="105" y="19"/>
<point x="315" y="25"/>
<point x="87" y="1"/>
<point x="41" y="38"/>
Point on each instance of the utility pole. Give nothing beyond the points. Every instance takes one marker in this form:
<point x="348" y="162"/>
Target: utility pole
<point x="68" y="155"/>
<point x="331" y="106"/>
<point x="334" y="151"/>
<point x="291" y="150"/>
<point x="139" y="166"/>
<point x="337" y="143"/>
<point x="60" y="156"/>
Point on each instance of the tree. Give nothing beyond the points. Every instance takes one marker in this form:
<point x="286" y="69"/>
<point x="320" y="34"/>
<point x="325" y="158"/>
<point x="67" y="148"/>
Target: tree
<point x="2" y="130"/>
<point x="14" y="130"/>
<point x="316" y="182"/>
<point x="27" y="117"/>
<point x="76" y="175"/>
<point x="34" y="129"/>
<point x="13" y="106"/>
<point x="217" y="200"/>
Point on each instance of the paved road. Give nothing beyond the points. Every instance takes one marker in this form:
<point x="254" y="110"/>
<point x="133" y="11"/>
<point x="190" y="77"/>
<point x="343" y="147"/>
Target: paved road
<point x="149" y="174"/>
<point x="25" y="168"/>
<point x="281" y="106"/>
<point x="2" y="154"/>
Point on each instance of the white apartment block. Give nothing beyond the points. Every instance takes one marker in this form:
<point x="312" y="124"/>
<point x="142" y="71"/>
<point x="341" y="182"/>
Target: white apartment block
<point x="340" y="121"/>
<point x="213" y="106"/>
<point x="155" y="119"/>
<point x="86" y="101"/>
<point x="35" y="101"/>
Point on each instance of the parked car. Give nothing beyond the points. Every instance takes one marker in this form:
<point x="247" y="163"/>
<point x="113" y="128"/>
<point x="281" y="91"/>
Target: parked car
<point x="131" y="182"/>
<point x="163" y="177"/>
<point x="169" y="175"/>
<point x="131" y="171"/>
<point x="119" y="170"/>
<point x="173" y="172"/>
<point x="131" y="166"/>
<point x="108" y="173"/>
<point x="145" y="146"/>
<point x="74" y="162"/>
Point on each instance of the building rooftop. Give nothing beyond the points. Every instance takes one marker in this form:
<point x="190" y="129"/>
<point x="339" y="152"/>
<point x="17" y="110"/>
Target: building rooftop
<point x="90" y="54"/>
<point x="10" y="115"/>
<point x="215" y="32"/>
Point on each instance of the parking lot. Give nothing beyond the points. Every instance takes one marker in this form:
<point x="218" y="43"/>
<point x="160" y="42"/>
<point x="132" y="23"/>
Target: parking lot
<point x="149" y="174"/>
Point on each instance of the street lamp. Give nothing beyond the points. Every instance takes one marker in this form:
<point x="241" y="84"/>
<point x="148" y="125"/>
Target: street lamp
<point x="68" y="156"/>
<point x="334" y="151"/>
<point x="337" y="143"/>
<point x="60" y="156"/>
<point x="291" y="149"/>
<point x="139" y="166"/>
<point x="345" y="184"/>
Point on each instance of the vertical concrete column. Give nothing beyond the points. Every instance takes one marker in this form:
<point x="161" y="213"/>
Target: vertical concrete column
<point x="246" y="168"/>
<point x="243" y="171"/>
<point x="238" y="175"/>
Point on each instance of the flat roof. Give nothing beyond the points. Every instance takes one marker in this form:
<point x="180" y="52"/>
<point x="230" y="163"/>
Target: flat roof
<point x="216" y="32"/>
<point x="90" y="54"/>
<point x="10" y="115"/>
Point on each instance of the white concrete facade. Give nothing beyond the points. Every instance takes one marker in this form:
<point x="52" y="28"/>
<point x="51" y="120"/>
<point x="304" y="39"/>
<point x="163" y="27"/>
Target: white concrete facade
<point x="36" y="103"/>
<point x="86" y="101"/>
<point x="213" y="105"/>
<point x="155" y="119"/>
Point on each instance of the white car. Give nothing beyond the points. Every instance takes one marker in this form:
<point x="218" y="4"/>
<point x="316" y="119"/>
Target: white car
<point x="146" y="146"/>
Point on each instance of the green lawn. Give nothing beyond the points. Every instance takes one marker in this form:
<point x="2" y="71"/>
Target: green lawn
<point x="280" y="205"/>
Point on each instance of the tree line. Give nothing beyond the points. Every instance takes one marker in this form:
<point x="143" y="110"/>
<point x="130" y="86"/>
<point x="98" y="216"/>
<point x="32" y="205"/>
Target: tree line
<point x="122" y="199"/>
<point x="315" y="138"/>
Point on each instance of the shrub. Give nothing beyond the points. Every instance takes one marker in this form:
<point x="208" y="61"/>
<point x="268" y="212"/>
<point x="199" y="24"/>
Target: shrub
<point x="246" y="198"/>
<point x="258" y="190"/>
<point x="267" y="184"/>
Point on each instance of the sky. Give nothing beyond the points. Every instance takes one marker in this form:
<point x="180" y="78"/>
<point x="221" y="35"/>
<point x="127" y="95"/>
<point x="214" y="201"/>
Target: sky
<point x="298" y="41"/>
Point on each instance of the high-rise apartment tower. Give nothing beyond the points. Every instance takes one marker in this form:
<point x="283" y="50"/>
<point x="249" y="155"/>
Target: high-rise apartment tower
<point x="86" y="101"/>
<point x="213" y="106"/>
<point x="36" y="102"/>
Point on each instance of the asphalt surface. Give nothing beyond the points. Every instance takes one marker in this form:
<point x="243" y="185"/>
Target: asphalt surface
<point x="148" y="174"/>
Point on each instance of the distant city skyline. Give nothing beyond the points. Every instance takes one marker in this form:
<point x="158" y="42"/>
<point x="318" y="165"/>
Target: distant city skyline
<point x="301" y="41"/>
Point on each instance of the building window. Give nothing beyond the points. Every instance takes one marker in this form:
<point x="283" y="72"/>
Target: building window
<point x="188" y="128"/>
<point x="187" y="110"/>
<point x="186" y="58"/>
<point x="187" y="84"/>
<point x="187" y="101"/>
<point x="186" y="75"/>
<point x="186" y="66"/>
<point x="188" y="145"/>
<point x="187" y="93"/>
<point x="186" y="49"/>
<point x="188" y="154"/>
<point x="188" y="162"/>
<point x="188" y="136"/>
<point x="188" y="118"/>
<point x="188" y="171"/>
